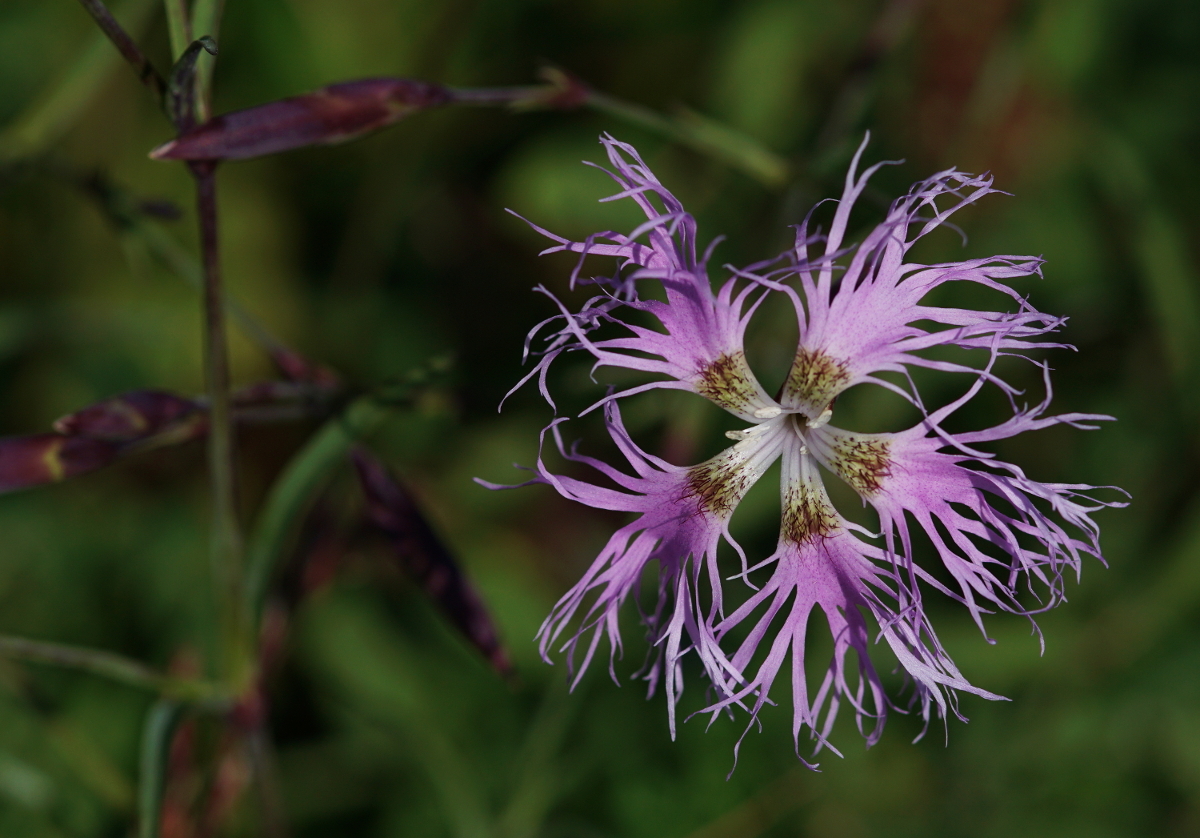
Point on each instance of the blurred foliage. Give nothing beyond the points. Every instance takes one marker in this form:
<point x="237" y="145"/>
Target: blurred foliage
<point x="377" y="255"/>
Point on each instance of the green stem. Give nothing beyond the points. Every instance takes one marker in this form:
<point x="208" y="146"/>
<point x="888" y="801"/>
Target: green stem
<point x="156" y="751"/>
<point x="178" y="25"/>
<point x="226" y="544"/>
<point x="293" y="491"/>
<point x="206" y="20"/>
<point x="108" y="665"/>
<point x="634" y="114"/>
<point x="702" y="134"/>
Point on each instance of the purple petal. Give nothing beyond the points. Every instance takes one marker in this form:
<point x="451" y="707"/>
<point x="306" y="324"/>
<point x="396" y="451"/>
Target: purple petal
<point x="683" y="515"/>
<point x="865" y="323"/>
<point x="699" y="346"/>
<point x="991" y="525"/>
<point x="819" y="564"/>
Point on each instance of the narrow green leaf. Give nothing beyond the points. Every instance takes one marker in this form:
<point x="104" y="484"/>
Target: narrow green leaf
<point x="95" y="661"/>
<point x="94" y="767"/>
<point x="537" y="771"/>
<point x="1172" y="284"/>
<point x="130" y="216"/>
<point x="733" y="147"/>
<point x="156" y="749"/>
<point x="108" y="665"/>
<point x="293" y="492"/>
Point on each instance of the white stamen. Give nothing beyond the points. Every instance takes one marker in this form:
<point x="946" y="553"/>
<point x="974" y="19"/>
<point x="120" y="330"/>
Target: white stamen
<point x="803" y="450"/>
<point x="746" y="433"/>
<point x="768" y="412"/>
<point x="821" y="420"/>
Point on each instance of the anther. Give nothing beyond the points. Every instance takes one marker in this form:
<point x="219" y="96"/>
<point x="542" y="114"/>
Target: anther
<point x="821" y="420"/>
<point x="768" y="412"/>
<point x="746" y="433"/>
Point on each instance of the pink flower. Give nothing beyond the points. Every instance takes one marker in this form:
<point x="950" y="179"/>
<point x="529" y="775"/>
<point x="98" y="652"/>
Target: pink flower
<point x="859" y="314"/>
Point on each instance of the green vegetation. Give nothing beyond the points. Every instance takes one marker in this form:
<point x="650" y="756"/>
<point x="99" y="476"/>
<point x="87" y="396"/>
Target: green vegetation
<point x="394" y="252"/>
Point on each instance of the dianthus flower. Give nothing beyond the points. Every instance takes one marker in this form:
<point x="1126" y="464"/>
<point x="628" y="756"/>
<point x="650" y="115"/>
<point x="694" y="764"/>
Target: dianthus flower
<point x="1001" y="536"/>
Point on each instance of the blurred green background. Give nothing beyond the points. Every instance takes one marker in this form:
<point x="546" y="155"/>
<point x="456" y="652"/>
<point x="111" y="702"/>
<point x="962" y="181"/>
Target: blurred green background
<point x="377" y="255"/>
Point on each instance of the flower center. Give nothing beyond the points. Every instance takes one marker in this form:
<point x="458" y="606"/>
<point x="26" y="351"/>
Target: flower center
<point x="813" y="382"/>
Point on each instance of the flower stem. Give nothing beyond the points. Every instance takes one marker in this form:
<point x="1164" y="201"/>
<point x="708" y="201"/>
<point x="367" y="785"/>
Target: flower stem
<point x="226" y="544"/>
<point x="180" y="262"/>
<point x="128" y="48"/>
<point x="108" y="665"/>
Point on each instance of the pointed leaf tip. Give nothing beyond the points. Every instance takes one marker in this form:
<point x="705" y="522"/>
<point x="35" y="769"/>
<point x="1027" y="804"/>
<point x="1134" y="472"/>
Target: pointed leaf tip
<point x="426" y="559"/>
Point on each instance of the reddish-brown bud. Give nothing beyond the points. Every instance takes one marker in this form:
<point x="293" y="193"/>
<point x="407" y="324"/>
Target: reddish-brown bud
<point x="332" y="114"/>
<point x="426" y="559"/>
<point x="32" y="460"/>
<point x="128" y="417"/>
